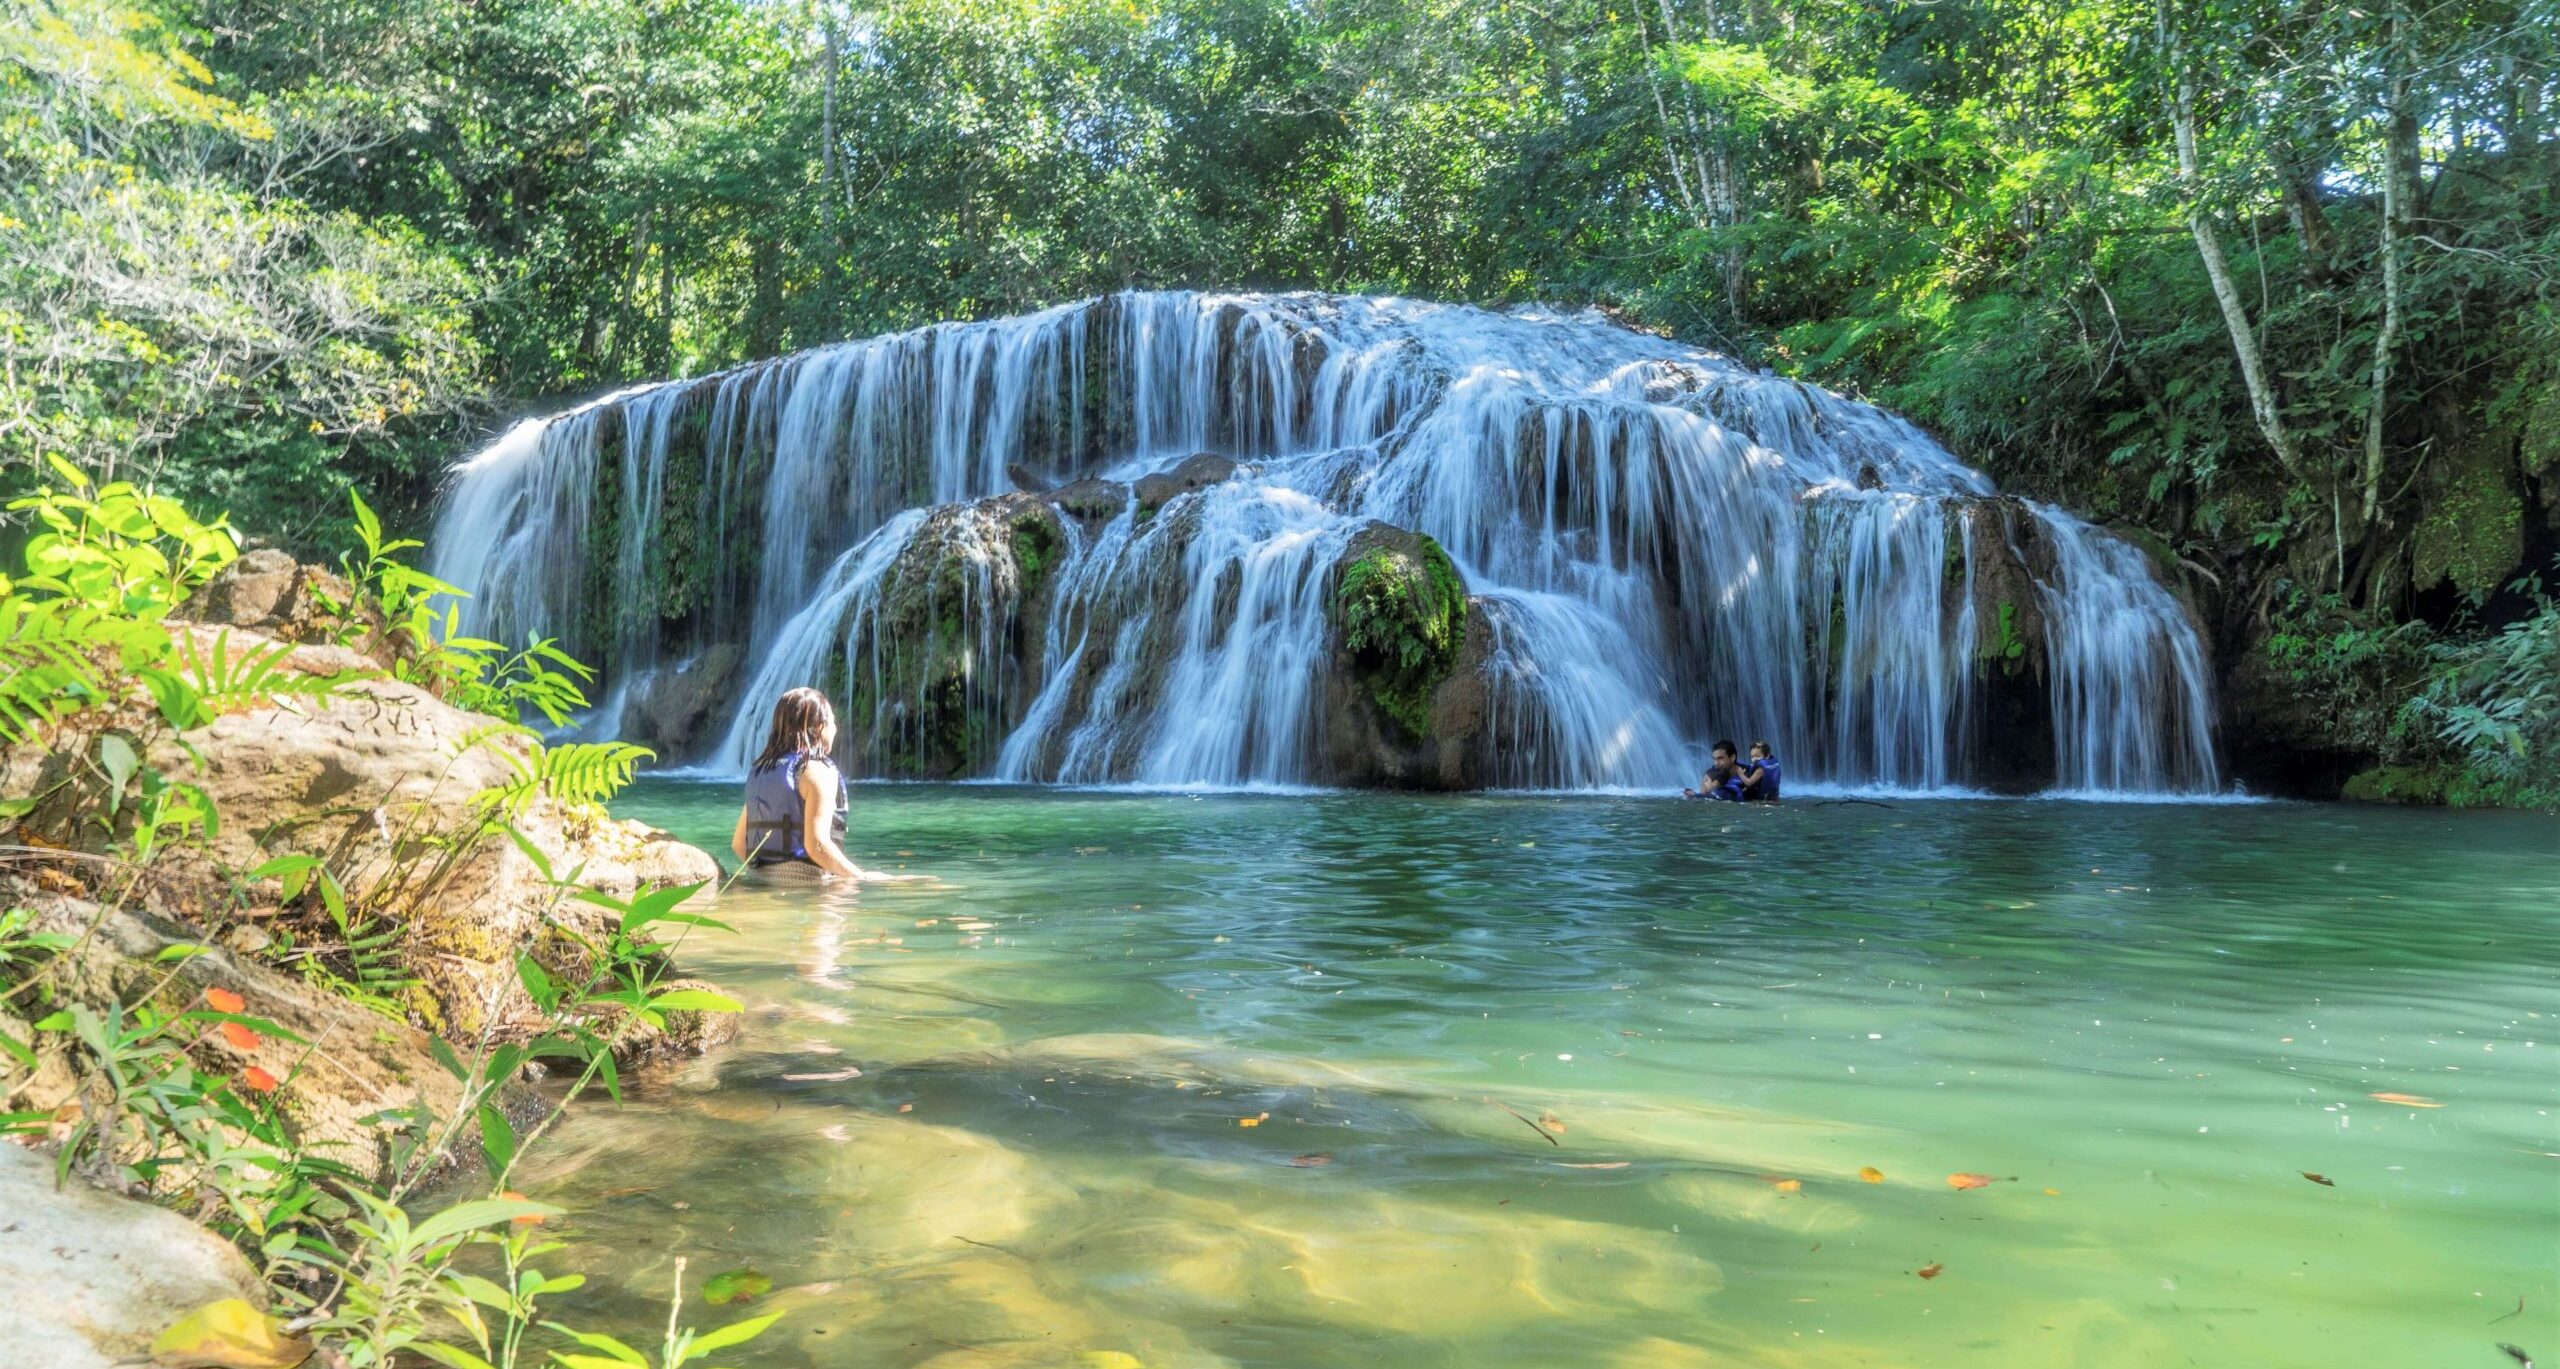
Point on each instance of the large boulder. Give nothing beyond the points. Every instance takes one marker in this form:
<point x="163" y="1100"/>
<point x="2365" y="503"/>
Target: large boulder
<point x="1406" y="702"/>
<point x="951" y="636"/>
<point x="88" y="1279"/>
<point x="383" y="782"/>
<point x="679" y="709"/>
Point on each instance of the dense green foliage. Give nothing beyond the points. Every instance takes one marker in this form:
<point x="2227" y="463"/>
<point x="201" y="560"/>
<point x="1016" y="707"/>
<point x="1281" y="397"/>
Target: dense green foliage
<point x="84" y="637"/>
<point x="2270" y="280"/>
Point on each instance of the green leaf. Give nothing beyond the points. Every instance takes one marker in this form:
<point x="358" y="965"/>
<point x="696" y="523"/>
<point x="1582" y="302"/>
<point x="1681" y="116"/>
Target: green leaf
<point x="497" y="1141"/>
<point x="735" y="1333"/>
<point x="472" y="1216"/>
<point x="736" y="1285"/>
<point x="621" y="1353"/>
<point x="693" y="1000"/>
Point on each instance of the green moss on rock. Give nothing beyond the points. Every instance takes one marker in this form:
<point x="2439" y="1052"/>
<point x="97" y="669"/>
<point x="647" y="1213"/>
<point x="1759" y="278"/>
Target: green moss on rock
<point x="1402" y="612"/>
<point x="2472" y="534"/>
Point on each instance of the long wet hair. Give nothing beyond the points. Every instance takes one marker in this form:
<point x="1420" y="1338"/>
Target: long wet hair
<point x="800" y="718"/>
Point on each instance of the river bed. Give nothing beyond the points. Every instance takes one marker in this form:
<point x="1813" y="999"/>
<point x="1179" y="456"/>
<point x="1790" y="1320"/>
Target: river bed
<point x="1175" y="1080"/>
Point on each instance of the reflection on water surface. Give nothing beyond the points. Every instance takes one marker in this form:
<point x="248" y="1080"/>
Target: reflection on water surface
<point x="1562" y="1082"/>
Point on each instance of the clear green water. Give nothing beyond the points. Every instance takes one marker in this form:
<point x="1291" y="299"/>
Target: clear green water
<point x="2145" y="1022"/>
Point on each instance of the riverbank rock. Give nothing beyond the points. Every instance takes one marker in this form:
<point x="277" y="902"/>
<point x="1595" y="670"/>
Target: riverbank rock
<point x="382" y="783"/>
<point x="89" y="1279"/>
<point x="350" y="1064"/>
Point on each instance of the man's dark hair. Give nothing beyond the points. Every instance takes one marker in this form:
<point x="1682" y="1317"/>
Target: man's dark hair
<point x="1726" y="746"/>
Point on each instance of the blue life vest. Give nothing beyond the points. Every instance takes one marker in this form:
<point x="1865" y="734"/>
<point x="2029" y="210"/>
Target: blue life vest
<point x="775" y="810"/>
<point x="1767" y="789"/>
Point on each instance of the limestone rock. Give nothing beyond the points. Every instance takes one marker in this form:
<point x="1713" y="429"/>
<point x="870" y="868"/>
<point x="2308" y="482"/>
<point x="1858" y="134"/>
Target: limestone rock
<point x="377" y="779"/>
<point x="267" y="590"/>
<point x="681" y="708"/>
<point x="1195" y="472"/>
<point x="88" y="1279"/>
<point x="1406" y="703"/>
<point x="352" y="1062"/>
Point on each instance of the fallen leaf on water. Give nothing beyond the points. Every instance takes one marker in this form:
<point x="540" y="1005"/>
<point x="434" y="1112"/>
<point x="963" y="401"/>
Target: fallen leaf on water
<point x="1551" y="1122"/>
<point x="2406" y="1100"/>
<point x="1248" y="1121"/>
<point x="1109" y="1359"/>
<point x="1791" y="1185"/>
<point x="2320" y="1179"/>
<point x="1593" y="1164"/>
<point x="2053" y="1193"/>
<point x="224" y="1000"/>
<point x="1963" y="1181"/>
<point x="1930" y="1271"/>
<point x="229" y="1334"/>
<point x="1311" y="1160"/>
<point x="240" y="1037"/>
<point x="737" y="1285"/>
<point x="1871" y="1174"/>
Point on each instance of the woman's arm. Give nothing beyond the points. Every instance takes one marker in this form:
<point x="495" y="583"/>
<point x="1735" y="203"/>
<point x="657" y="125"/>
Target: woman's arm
<point x="738" y="839"/>
<point x="818" y="820"/>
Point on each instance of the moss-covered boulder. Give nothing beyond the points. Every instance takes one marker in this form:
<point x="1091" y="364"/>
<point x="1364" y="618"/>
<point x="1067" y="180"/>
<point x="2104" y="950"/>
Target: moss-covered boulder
<point x="943" y="664"/>
<point x="1405" y="700"/>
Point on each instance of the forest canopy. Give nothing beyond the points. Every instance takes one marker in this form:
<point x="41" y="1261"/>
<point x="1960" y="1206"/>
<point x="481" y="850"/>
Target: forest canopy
<point x="2268" y="284"/>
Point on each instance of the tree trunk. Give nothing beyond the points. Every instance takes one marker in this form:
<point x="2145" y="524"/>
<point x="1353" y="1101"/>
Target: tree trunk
<point x="627" y="306"/>
<point x="2399" y="168"/>
<point x="2217" y="267"/>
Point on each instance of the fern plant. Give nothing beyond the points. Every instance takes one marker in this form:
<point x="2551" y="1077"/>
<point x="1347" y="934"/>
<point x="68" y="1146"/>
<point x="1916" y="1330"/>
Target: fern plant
<point x="581" y="775"/>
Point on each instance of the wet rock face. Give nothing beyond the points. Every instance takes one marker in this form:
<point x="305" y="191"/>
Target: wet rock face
<point x="682" y="707"/>
<point x="2012" y="695"/>
<point x="940" y="672"/>
<point x="1196" y="472"/>
<point x="89" y="1279"/>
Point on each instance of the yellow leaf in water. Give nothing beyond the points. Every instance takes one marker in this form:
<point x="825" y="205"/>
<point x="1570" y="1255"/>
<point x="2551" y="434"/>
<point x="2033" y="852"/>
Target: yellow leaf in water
<point x="1791" y="1185"/>
<point x="1110" y="1359"/>
<point x="1242" y="1122"/>
<point x="1963" y="1181"/>
<point x="2053" y="1193"/>
<point x="1871" y="1175"/>
<point x="2406" y="1100"/>
<point x="229" y="1334"/>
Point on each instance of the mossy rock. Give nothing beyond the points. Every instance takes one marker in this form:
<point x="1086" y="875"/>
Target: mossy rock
<point x="2472" y="534"/>
<point x="1401" y="612"/>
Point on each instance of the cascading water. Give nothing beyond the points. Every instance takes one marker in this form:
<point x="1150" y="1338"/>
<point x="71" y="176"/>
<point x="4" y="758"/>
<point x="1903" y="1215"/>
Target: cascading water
<point x="1661" y="547"/>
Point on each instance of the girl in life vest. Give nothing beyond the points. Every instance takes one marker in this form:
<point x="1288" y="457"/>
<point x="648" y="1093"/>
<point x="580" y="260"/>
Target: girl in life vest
<point x="795" y="795"/>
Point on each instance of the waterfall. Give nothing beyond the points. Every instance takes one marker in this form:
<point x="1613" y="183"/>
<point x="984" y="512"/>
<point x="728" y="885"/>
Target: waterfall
<point x="1661" y="547"/>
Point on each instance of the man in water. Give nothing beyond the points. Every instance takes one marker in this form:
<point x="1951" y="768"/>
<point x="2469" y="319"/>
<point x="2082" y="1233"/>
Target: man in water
<point x="1723" y="780"/>
<point x="1760" y="777"/>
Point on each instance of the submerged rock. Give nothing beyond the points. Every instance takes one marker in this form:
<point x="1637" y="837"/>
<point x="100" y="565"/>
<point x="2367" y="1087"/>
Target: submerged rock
<point x="89" y="1279"/>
